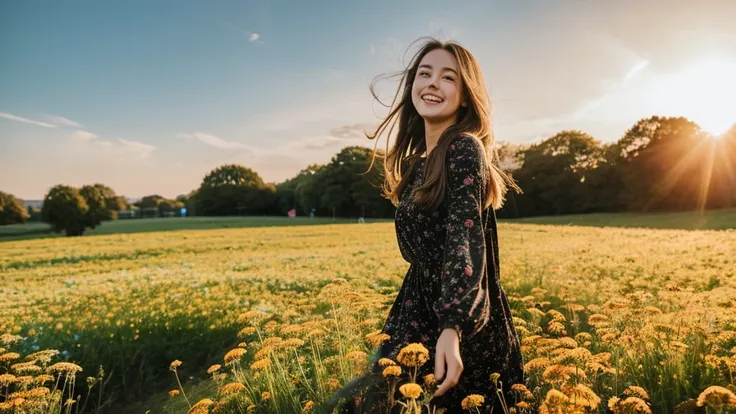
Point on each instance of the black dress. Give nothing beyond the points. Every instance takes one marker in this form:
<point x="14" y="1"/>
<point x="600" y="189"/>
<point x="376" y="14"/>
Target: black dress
<point x="452" y="282"/>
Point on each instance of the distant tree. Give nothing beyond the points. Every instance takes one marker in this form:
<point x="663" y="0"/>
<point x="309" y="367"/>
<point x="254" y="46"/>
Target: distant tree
<point x="12" y="210"/>
<point x="97" y="210"/>
<point x="150" y="201"/>
<point x="233" y="190"/>
<point x="64" y="209"/>
<point x="664" y="161"/>
<point x="553" y="174"/>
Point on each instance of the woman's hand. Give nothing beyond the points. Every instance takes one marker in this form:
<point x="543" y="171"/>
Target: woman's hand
<point x="448" y="353"/>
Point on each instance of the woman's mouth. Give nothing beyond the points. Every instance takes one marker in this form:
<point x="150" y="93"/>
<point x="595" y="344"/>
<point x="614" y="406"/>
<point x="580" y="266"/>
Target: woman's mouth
<point x="430" y="99"/>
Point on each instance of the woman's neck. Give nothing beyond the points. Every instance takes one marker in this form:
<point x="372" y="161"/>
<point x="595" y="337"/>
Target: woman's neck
<point x="433" y="131"/>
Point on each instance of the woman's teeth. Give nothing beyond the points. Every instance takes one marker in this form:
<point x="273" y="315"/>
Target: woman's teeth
<point x="431" y="98"/>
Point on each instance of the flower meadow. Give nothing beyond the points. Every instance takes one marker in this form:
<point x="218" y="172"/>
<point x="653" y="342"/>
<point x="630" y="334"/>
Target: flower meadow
<point x="275" y="320"/>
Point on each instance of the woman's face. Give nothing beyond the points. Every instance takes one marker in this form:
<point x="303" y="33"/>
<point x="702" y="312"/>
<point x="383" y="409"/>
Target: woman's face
<point x="437" y="89"/>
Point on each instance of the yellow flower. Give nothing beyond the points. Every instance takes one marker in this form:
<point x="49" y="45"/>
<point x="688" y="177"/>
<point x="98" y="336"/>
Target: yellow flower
<point x="333" y="384"/>
<point x="214" y="368"/>
<point x="356" y="355"/>
<point x="555" y="398"/>
<point x="392" y="370"/>
<point x="265" y="396"/>
<point x="634" y="391"/>
<point x="582" y="396"/>
<point x="10" y="356"/>
<point x="234" y="355"/>
<point x="413" y="355"/>
<point x="173" y="393"/>
<point x="411" y="390"/>
<point x="473" y="401"/>
<point x="430" y="380"/>
<point x="66" y="367"/>
<point x="175" y="364"/>
<point x="201" y="407"/>
<point x="232" y="388"/>
<point x="376" y="339"/>
<point x="261" y="364"/>
<point x="385" y="362"/>
<point x="716" y="397"/>
<point x="308" y="407"/>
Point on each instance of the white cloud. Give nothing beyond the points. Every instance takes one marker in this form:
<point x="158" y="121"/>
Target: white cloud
<point x="216" y="142"/>
<point x="25" y="120"/>
<point x="254" y="37"/>
<point x="80" y="135"/>
<point x="61" y="121"/>
<point x="137" y="147"/>
<point x="635" y="70"/>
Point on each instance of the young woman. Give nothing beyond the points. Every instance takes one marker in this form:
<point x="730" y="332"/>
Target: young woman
<point x="441" y="178"/>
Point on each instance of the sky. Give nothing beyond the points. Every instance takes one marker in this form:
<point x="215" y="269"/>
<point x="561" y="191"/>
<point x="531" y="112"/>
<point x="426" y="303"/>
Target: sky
<point x="148" y="96"/>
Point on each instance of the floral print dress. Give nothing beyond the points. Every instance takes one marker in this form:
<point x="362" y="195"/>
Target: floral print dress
<point x="453" y="281"/>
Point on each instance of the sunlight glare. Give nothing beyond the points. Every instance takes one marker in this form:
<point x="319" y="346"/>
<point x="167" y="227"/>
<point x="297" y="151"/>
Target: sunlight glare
<point x="704" y="92"/>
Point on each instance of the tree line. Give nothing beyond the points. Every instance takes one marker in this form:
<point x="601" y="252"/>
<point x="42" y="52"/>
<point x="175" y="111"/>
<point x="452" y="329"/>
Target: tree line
<point x="659" y="164"/>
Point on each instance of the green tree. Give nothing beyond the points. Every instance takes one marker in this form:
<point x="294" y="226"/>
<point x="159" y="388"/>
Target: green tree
<point x="64" y="209"/>
<point x="233" y="190"/>
<point x="97" y="210"/>
<point x="12" y="210"/>
<point x="553" y="174"/>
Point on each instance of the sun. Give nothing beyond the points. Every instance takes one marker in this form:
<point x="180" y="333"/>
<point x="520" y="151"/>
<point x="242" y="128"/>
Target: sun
<point x="704" y="92"/>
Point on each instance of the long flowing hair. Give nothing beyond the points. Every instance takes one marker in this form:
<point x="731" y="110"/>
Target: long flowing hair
<point x="474" y="119"/>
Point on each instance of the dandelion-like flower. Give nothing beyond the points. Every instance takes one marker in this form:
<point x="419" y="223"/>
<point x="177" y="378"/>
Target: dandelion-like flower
<point x="174" y="393"/>
<point x="356" y="355"/>
<point x="430" y="380"/>
<point x="308" y="407"/>
<point x="413" y="355"/>
<point x="214" y="368"/>
<point x="472" y="401"/>
<point x="10" y="356"/>
<point x="635" y="391"/>
<point x="265" y="396"/>
<point x="234" y="355"/>
<point x="260" y="364"/>
<point x="66" y="367"/>
<point x="376" y="339"/>
<point x="410" y="390"/>
<point x="392" y="370"/>
<point x="174" y="365"/>
<point x="555" y="398"/>
<point x="582" y="396"/>
<point x="385" y="362"/>
<point x="201" y="407"/>
<point x="716" y="397"/>
<point x="232" y="388"/>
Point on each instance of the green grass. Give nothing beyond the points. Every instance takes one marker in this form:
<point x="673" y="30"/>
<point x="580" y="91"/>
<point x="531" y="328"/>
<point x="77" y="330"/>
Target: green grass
<point x="707" y="220"/>
<point x="41" y="230"/>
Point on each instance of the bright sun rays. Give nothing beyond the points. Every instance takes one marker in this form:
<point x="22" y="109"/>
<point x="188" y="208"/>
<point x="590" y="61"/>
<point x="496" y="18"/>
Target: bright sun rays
<point x="704" y="91"/>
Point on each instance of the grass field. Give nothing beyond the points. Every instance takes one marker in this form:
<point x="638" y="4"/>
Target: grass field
<point x="608" y="316"/>
<point x="706" y="220"/>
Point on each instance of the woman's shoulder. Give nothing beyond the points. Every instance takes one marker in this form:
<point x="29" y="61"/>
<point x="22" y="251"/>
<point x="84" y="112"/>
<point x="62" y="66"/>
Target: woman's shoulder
<point x="466" y="146"/>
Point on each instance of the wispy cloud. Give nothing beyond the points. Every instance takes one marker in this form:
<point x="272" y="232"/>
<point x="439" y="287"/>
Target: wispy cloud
<point x="635" y="70"/>
<point x="61" y="121"/>
<point x="80" y="135"/>
<point x="215" y="141"/>
<point x="254" y="37"/>
<point x="353" y="131"/>
<point x="25" y="120"/>
<point x="139" y="148"/>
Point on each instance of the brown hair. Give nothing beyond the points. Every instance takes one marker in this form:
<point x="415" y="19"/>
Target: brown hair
<point x="473" y="119"/>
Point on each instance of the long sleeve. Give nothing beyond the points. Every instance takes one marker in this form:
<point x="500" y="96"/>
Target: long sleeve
<point x="463" y="303"/>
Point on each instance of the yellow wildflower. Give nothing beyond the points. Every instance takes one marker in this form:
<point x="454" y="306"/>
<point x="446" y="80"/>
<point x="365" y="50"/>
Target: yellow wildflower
<point x="410" y="390"/>
<point x="173" y="393"/>
<point x="392" y="370"/>
<point x="413" y="355"/>
<point x="473" y="401"/>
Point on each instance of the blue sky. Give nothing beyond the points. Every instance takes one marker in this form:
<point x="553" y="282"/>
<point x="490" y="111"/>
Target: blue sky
<point x="148" y="96"/>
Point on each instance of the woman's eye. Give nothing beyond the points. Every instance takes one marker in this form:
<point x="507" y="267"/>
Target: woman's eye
<point x="423" y="73"/>
<point x="450" y="78"/>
